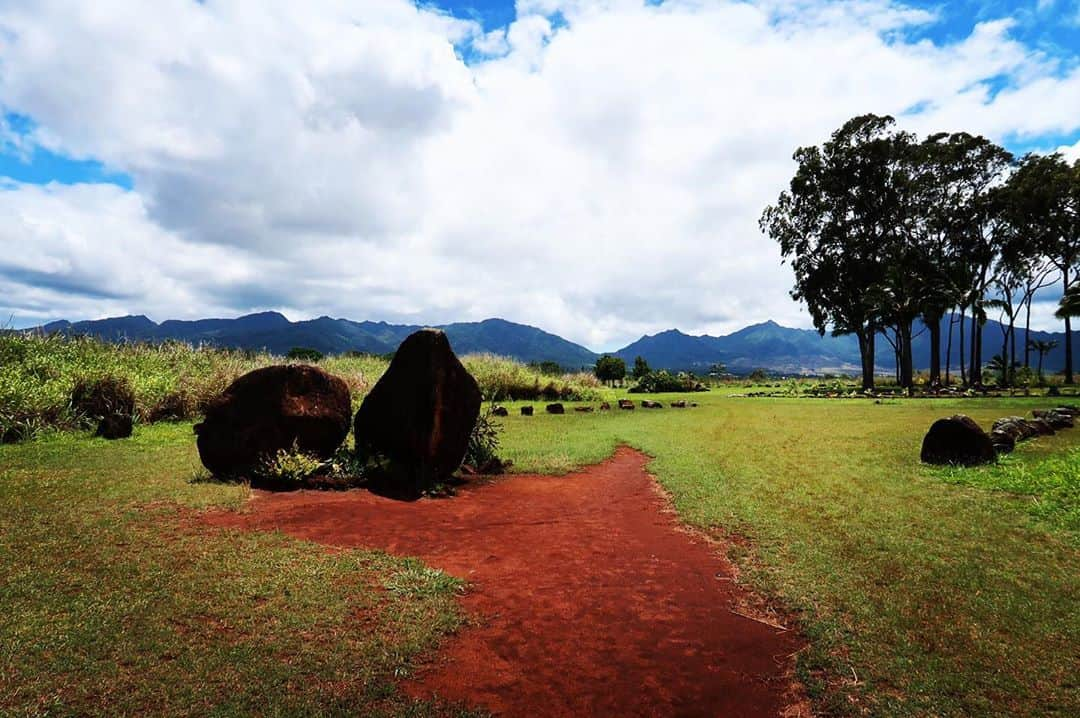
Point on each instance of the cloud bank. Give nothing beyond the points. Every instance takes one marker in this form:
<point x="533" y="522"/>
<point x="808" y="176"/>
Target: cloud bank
<point x="594" y="168"/>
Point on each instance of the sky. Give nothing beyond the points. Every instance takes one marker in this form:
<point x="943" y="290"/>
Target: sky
<point x="592" y="167"/>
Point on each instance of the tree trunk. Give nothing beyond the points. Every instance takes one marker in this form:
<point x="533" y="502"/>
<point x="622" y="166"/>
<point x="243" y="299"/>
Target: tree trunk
<point x="1012" y="350"/>
<point x="866" y="356"/>
<point x="1068" y="334"/>
<point x="933" y="323"/>
<point x="975" y="362"/>
<point x="907" y="375"/>
<point x="1027" y="334"/>
<point x="948" y="351"/>
<point x="963" y="366"/>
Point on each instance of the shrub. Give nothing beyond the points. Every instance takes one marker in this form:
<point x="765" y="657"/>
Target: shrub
<point x="484" y="441"/>
<point x="663" y="381"/>
<point x="290" y="466"/>
<point x="304" y="354"/>
<point x="95" y="399"/>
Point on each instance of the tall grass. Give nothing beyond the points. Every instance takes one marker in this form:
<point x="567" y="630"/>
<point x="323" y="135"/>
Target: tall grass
<point x="175" y="379"/>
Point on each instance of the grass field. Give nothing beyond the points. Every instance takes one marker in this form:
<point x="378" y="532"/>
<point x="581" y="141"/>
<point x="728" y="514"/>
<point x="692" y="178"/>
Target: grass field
<point x="922" y="591"/>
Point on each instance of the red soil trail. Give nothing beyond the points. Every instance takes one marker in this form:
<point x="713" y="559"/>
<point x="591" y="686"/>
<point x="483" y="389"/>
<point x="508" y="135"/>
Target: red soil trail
<point x="590" y="599"/>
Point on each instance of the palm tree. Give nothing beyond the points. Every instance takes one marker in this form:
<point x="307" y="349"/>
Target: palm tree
<point x="1069" y="306"/>
<point x="999" y="364"/>
<point x="1043" y="348"/>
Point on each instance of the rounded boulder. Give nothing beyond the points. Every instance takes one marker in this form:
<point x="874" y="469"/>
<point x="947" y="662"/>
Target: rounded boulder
<point x="271" y="409"/>
<point x="957" y="440"/>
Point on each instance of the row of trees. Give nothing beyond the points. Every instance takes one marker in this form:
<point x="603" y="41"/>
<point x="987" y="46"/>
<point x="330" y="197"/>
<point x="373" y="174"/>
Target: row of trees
<point x="883" y="230"/>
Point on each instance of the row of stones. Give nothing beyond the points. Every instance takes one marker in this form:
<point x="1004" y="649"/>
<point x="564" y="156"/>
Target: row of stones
<point x="960" y="440"/>
<point x="558" y="408"/>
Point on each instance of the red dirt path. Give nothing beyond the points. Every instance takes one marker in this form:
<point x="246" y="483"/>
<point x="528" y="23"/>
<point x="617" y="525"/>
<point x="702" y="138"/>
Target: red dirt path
<point x="590" y="598"/>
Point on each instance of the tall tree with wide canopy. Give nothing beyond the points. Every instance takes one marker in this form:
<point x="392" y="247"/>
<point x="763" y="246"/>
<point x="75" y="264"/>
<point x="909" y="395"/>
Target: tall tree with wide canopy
<point x="829" y="226"/>
<point x="956" y="210"/>
<point x="1045" y="201"/>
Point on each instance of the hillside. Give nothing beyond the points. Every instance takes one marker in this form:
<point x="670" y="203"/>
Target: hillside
<point x="273" y="332"/>
<point x="766" y="345"/>
<point x="784" y="349"/>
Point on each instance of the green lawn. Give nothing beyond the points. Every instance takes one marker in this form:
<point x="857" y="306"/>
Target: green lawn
<point x="922" y="591"/>
<point x="114" y="602"/>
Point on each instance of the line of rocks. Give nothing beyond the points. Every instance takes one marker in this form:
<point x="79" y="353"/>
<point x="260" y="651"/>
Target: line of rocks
<point x="626" y="404"/>
<point x="959" y="440"/>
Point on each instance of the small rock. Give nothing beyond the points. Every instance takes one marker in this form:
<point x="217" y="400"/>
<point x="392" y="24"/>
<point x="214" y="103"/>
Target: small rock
<point x="1003" y="442"/>
<point x="605" y="406"/>
<point x="626" y="404"/>
<point x="678" y="404"/>
<point x="526" y="411"/>
<point x="583" y="409"/>
<point x="499" y="411"/>
<point x="650" y="404"/>
<point x="556" y="409"/>
<point x="114" y="426"/>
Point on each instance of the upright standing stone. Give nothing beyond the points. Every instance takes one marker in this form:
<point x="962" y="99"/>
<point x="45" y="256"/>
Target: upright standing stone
<point x="421" y="412"/>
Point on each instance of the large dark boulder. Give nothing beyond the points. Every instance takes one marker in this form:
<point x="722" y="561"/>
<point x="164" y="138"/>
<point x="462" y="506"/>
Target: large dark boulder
<point x="420" y="413"/>
<point x="957" y="440"/>
<point x="270" y="409"/>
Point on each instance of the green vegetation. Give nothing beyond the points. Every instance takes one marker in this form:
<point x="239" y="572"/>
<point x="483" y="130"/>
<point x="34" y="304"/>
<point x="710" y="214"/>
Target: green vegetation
<point x="921" y="591"/>
<point x="610" y="369"/>
<point x="173" y="380"/>
<point x="115" y="601"/>
<point x="659" y="382"/>
<point x="305" y="354"/>
<point x="919" y="596"/>
<point x="883" y="229"/>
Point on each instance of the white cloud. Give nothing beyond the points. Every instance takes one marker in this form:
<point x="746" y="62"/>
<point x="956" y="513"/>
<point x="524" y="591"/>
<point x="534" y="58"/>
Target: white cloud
<point x="1071" y="153"/>
<point x="600" y="179"/>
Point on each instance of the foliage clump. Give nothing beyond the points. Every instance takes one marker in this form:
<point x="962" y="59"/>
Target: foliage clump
<point x="174" y="381"/>
<point x="661" y="381"/>
<point x="483" y="448"/>
<point x="610" y="369"/>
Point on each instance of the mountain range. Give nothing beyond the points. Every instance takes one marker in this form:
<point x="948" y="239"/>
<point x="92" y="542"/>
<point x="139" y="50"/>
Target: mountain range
<point x="767" y="345"/>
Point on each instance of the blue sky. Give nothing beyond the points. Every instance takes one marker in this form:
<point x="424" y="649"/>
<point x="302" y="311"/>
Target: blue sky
<point x="592" y="167"/>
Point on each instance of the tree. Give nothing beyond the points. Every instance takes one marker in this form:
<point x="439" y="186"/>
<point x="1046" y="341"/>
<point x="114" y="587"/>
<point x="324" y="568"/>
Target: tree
<point x="829" y="227"/>
<point x="956" y="212"/>
<point x="610" y="369"/>
<point x="641" y="368"/>
<point x="304" y="354"/>
<point x="1045" y="194"/>
<point x="548" y="367"/>
<point x="1043" y="348"/>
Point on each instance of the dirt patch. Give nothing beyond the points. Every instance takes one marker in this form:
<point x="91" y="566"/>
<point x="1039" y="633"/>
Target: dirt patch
<point x="588" y="598"/>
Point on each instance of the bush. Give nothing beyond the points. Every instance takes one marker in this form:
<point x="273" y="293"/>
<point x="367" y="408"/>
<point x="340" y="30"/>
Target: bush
<point x="483" y="447"/>
<point x="304" y="354"/>
<point x="175" y="381"/>
<point x="95" y="399"/>
<point x="289" y="467"/>
<point x="663" y="381"/>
